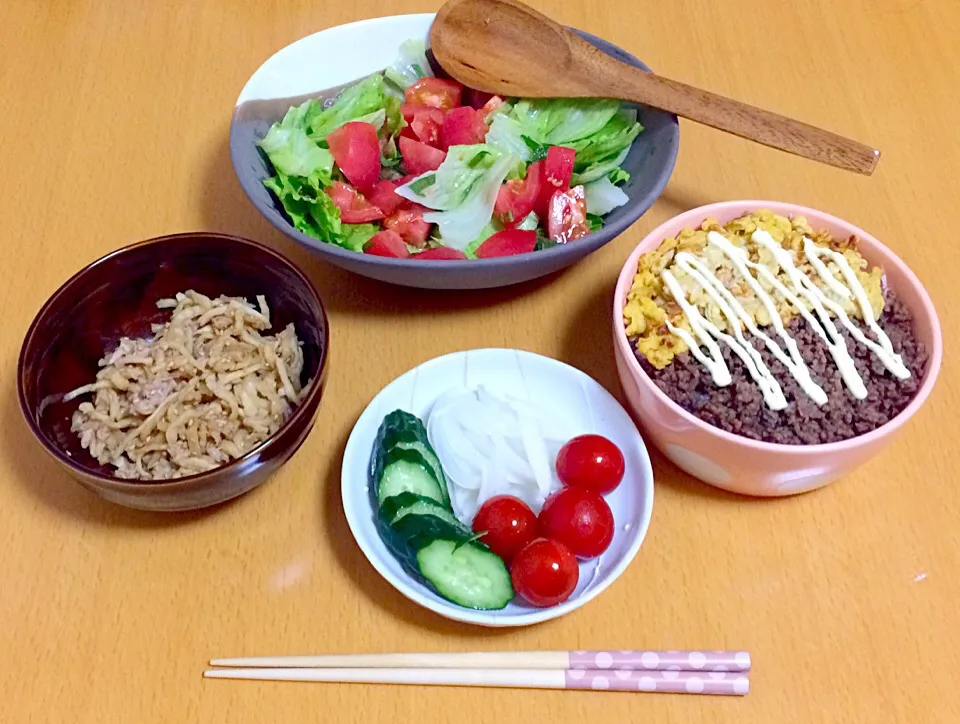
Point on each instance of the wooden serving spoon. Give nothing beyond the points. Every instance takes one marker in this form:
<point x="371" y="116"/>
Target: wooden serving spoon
<point x="510" y="49"/>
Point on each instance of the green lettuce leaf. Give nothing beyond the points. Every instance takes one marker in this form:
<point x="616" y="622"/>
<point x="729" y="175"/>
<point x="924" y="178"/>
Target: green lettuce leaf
<point x="353" y="103"/>
<point x="609" y="142"/>
<point x="618" y="176"/>
<point x="410" y="66"/>
<point x="292" y="153"/>
<point x="451" y="184"/>
<point x="315" y="214"/>
<point x="558" y="121"/>
<point x="603" y="196"/>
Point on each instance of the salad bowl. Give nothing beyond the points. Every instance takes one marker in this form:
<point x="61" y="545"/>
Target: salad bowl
<point x="561" y="390"/>
<point x="331" y="59"/>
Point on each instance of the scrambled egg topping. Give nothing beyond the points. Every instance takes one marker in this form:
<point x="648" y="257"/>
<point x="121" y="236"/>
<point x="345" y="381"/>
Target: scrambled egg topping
<point x="650" y="304"/>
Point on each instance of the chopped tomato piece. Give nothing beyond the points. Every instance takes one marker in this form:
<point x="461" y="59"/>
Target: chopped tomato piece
<point x="558" y="167"/>
<point x="356" y="151"/>
<point x="462" y="127"/>
<point x="517" y="197"/>
<point x="418" y="157"/>
<point x="383" y="195"/>
<point x="408" y="223"/>
<point x="567" y="217"/>
<point x="354" y="208"/>
<point x="442" y="253"/>
<point x="507" y="243"/>
<point x="387" y="243"/>
<point x="423" y="123"/>
<point x="490" y="106"/>
<point x="436" y="92"/>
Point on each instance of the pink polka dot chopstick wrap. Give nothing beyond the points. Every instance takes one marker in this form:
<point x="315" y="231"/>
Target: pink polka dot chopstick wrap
<point x="718" y="661"/>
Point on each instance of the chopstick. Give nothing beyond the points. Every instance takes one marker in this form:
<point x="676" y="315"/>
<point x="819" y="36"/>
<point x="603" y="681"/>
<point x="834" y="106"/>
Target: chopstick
<point x="716" y="661"/>
<point x="678" y="682"/>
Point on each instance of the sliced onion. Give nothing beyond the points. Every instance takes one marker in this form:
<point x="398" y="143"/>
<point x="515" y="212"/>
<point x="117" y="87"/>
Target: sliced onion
<point x="493" y="445"/>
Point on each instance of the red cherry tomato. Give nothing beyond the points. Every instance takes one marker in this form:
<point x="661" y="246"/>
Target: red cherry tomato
<point x="567" y="215"/>
<point x="579" y="519"/>
<point x="462" y="126"/>
<point x="558" y="167"/>
<point x="436" y="92"/>
<point x="356" y="151"/>
<point x="507" y="524"/>
<point x="354" y="208"/>
<point x="387" y="243"/>
<point x="507" y="243"/>
<point x="409" y="224"/>
<point x="591" y="462"/>
<point x="418" y="157"/>
<point x="517" y="197"/>
<point x="545" y="572"/>
<point x="441" y="253"/>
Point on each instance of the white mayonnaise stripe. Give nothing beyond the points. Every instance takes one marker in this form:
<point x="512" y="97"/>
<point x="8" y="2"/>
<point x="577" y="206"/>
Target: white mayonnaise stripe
<point x="795" y="362"/>
<point x="714" y="362"/>
<point x="737" y="317"/>
<point x="890" y="359"/>
<point x="735" y="313"/>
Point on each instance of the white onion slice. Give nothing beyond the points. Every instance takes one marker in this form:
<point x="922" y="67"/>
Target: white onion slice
<point x="494" y="445"/>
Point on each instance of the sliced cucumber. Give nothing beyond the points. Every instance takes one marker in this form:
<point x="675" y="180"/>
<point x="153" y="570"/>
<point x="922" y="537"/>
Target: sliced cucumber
<point x="406" y="476"/>
<point x="425" y="506"/>
<point x="402" y="437"/>
<point x="468" y="574"/>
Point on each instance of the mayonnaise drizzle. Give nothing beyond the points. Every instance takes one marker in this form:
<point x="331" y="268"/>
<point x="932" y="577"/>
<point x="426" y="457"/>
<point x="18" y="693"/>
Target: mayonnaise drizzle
<point x="738" y="318"/>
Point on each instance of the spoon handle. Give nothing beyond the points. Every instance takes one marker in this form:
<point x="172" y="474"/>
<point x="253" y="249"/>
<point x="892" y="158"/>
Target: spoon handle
<point x="755" y="124"/>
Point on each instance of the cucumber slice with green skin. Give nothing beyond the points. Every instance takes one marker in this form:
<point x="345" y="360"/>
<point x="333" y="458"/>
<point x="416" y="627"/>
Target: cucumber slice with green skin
<point x="404" y="475"/>
<point x="467" y="574"/>
<point x="402" y="437"/>
<point x="426" y="507"/>
<point x="395" y="503"/>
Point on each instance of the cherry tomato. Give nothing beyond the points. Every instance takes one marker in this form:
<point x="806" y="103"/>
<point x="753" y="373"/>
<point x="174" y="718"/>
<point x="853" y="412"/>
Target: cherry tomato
<point x="462" y="127"/>
<point x="591" y="462"/>
<point x="387" y="243"/>
<point x="441" y="253"/>
<point x="354" y="208"/>
<point x="567" y="215"/>
<point x="418" y="157"/>
<point x="436" y="92"/>
<point x="507" y="524"/>
<point x="580" y="519"/>
<point x="356" y="151"/>
<point x="516" y="198"/>
<point x="409" y="224"/>
<point x="545" y="572"/>
<point x="507" y="243"/>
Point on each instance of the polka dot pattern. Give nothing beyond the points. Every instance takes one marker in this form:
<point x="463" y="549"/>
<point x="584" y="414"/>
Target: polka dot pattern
<point x="672" y="660"/>
<point x="681" y="682"/>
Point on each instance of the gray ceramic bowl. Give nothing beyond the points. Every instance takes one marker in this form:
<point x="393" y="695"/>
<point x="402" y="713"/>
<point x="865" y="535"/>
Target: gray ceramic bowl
<point x="306" y="67"/>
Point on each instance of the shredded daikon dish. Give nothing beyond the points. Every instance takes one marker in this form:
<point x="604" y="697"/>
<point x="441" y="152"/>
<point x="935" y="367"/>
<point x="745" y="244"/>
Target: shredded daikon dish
<point x="205" y="389"/>
<point x="495" y="445"/>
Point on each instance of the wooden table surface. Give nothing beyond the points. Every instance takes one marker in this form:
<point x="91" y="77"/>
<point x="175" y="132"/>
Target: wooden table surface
<point x="114" y="129"/>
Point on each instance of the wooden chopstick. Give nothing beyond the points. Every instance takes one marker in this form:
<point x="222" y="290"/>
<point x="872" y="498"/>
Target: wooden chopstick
<point x="682" y="682"/>
<point x="694" y="661"/>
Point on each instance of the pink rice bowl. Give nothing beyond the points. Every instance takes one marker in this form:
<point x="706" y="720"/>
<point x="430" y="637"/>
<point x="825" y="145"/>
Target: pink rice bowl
<point x="740" y="464"/>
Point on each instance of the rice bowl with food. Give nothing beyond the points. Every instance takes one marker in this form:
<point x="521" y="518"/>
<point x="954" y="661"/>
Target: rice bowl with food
<point x="769" y="329"/>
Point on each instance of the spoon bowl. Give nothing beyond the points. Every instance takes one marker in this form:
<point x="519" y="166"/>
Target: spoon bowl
<point x="508" y="48"/>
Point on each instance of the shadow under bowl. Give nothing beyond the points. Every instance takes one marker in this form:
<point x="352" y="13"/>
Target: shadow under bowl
<point x="116" y="297"/>
<point x="368" y="46"/>
<point x="740" y="464"/>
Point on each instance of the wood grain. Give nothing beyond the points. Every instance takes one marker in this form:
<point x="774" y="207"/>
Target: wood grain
<point x="115" y="128"/>
<point x="508" y="48"/>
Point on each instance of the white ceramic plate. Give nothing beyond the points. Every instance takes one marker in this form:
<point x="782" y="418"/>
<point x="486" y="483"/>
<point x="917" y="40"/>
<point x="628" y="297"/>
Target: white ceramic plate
<point x="547" y="382"/>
